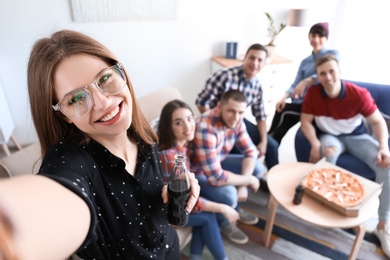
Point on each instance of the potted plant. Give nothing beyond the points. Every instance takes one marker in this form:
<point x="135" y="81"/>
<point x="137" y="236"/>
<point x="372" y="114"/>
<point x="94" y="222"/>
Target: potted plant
<point x="273" y="31"/>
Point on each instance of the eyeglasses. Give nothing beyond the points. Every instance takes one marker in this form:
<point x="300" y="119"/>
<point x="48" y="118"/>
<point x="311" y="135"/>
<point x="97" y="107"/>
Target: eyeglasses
<point x="79" y="102"/>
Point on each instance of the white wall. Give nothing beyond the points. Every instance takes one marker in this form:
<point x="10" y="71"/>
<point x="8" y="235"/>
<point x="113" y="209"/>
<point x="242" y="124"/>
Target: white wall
<point x="156" y="53"/>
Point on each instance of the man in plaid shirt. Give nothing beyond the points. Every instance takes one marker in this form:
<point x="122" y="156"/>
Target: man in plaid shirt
<point x="243" y="78"/>
<point x="226" y="177"/>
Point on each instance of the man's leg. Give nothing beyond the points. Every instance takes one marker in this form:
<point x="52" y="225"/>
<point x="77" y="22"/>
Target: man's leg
<point x="233" y="163"/>
<point x="368" y="155"/>
<point x="272" y="155"/>
<point x="331" y="147"/>
<point x="226" y="195"/>
<point x="221" y="194"/>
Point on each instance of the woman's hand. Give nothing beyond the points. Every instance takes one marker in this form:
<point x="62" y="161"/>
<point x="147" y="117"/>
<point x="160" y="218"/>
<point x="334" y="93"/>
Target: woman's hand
<point x="300" y="88"/>
<point x="195" y="190"/>
<point x="229" y="213"/>
<point x="280" y="105"/>
<point x="164" y="193"/>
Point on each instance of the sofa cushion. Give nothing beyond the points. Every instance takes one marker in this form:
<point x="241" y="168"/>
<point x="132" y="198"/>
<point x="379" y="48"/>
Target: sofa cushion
<point x="387" y="120"/>
<point x="380" y="93"/>
<point x="151" y="104"/>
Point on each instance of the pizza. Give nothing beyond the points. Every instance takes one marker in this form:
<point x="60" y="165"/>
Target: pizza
<point x="336" y="186"/>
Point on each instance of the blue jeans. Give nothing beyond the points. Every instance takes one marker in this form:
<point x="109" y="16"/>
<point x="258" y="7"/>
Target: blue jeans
<point x="271" y="156"/>
<point x="205" y="231"/>
<point x="226" y="194"/>
<point x="354" y="145"/>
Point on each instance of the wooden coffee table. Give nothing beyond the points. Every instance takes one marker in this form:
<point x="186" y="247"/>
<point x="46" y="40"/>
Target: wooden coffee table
<point x="282" y="180"/>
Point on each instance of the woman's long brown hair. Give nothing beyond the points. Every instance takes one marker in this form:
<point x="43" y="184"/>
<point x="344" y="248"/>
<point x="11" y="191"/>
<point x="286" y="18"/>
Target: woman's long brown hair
<point x="46" y="55"/>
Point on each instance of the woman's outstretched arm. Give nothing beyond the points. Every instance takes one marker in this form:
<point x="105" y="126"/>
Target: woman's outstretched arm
<point x="45" y="219"/>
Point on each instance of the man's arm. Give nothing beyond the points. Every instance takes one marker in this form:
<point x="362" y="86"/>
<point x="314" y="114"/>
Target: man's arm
<point x="262" y="146"/>
<point x="247" y="168"/>
<point x="310" y="133"/>
<point x="213" y="89"/>
<point x="206" y="154"/>
<point x="381" y="133"/>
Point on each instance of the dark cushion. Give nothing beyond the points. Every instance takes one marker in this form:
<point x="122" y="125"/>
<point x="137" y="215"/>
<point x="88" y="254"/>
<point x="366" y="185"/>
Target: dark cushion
<point x="380" y="93"/>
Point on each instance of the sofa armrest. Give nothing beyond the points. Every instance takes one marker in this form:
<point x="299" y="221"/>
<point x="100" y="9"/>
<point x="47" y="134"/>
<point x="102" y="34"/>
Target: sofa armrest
<point x="25" y="161"/>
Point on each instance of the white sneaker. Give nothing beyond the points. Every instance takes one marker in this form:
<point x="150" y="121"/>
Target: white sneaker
<point x="384" y="237"/>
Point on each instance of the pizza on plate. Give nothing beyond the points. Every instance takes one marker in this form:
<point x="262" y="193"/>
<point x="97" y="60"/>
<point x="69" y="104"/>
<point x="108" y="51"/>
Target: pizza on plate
<point x="335" y="185"/>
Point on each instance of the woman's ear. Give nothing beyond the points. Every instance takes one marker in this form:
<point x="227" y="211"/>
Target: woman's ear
<point x="68" y="120"/>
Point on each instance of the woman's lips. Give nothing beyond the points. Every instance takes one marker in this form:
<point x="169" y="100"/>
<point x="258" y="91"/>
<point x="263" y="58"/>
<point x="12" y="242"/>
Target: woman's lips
<point x="112" y="114"/>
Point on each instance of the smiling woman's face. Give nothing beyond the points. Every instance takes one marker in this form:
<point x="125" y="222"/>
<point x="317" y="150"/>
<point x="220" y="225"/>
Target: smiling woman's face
<point x="317" y="41"/>
<point x="183" y="125"/>
<point x="110" y="115"/>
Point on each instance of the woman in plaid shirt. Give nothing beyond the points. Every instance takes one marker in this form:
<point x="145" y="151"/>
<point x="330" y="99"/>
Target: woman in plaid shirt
<point x="175" y="130"/>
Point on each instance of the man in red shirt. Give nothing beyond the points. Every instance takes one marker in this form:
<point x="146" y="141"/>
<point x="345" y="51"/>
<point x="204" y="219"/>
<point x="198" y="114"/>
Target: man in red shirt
<point x="338" y="109"/>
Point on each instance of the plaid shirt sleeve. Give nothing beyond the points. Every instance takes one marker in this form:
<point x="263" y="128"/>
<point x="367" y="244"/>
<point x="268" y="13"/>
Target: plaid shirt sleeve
<point x="167" y="159"/>
<point x="207" y="155"/>
<point x="199" y="206"/>
<point x="213" y="90"/>
<point x="258" y="104"/>
<point x="244" y="143"/>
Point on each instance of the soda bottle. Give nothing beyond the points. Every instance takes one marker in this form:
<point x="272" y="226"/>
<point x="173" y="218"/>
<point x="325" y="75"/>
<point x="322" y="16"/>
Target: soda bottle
<point x="178" y="193"/>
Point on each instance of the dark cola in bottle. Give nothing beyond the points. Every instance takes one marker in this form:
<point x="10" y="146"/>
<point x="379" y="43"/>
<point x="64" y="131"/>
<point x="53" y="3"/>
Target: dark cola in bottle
<point x="178" y="193"/>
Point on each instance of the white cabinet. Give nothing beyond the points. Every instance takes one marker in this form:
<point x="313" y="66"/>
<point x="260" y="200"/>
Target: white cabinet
<point x="276" y="77"/>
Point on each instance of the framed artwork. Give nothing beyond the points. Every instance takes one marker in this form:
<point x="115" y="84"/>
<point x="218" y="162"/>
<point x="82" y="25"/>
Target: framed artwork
<point x="122" y="10"/>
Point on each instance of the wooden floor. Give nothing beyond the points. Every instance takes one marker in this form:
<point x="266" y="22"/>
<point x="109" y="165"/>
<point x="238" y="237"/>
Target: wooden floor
<point x="254" y="249"/>
<point x="335" y="239"/>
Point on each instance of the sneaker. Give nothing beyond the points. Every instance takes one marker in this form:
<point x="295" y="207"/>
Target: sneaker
<point x="384" y="237"/>
<point x="247" y="218"/>
<point x="235" y="235"/>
